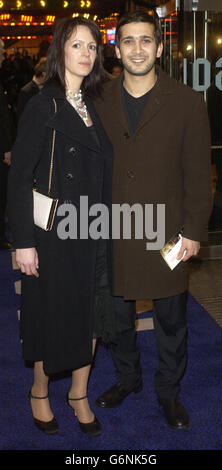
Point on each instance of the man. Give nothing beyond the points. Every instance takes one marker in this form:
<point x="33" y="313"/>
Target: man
<point x="5" y="158"/>
<point x="34" y="86"/>
<point x="117" y="69"/>
<point x="160" y="133"/>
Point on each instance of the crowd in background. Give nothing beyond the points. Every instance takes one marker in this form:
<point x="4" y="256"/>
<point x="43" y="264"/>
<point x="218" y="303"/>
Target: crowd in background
<point x="18" y="69"/>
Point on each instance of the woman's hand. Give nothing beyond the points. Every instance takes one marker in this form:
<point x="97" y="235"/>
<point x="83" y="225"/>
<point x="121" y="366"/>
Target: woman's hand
<point x="7" y="158"/>
<point x="27" y="260"/>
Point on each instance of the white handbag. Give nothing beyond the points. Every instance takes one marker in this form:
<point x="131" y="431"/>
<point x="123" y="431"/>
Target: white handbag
<point x="44" y="207"/>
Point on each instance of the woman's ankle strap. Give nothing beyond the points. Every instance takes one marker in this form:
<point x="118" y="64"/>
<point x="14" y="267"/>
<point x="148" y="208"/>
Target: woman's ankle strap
<point x="37" y="398"/>
<point x="76" y="399"/>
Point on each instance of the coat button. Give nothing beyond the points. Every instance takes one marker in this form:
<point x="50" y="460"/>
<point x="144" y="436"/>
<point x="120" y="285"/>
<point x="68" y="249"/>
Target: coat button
<point x="126" y="135"/>
<point x="69" y="176"/>
<point x="130" y="174"/>
<point x="73" y="150"/>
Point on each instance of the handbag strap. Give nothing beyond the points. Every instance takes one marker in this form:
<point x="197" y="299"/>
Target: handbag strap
<point x="52" y="154"/>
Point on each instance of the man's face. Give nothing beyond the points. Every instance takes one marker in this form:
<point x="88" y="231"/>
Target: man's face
<point x="2" y="50"/>
<point x="137" y="49"/>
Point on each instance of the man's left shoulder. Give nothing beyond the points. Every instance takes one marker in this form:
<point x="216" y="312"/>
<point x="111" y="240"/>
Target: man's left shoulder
<point x="180" y="90"/>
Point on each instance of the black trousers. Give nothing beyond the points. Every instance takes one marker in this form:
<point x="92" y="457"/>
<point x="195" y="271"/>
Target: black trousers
<point x="169" y="316"/>
<point x="125" y="353"/>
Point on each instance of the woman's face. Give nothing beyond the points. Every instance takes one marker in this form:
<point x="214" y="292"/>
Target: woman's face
<point x="79" y="54"/>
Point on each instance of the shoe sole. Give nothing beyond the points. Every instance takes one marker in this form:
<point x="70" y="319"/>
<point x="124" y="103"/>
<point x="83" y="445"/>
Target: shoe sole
<point x="46" y="432"/>
<point x="185" y="427"/>
<point x="107" y="406"/>
<point x="94" y="435"/>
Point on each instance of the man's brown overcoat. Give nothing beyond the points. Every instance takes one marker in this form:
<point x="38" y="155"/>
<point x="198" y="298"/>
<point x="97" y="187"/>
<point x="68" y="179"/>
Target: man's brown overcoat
<point x="166" y="161"/>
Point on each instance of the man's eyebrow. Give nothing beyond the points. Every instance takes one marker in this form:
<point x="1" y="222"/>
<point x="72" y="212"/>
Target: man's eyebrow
<point x="140" y="37"/>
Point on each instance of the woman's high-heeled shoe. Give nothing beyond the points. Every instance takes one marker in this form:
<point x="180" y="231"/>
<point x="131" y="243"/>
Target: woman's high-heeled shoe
<point x="49" y="427"/>
<point x="94" y="427"/>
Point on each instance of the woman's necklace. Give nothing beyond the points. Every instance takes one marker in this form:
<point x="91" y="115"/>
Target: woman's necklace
<point x="76" y="100"/>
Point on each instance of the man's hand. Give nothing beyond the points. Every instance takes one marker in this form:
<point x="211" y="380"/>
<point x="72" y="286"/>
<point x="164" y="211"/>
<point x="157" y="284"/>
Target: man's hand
<point x="7" y="158"/>
<point x="190" y="246"/>
<point x="27" y="261"/>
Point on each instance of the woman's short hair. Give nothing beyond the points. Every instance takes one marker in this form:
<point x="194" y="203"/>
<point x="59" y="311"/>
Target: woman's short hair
<point x="139" y="16"/>
<point x="92" y="84"/>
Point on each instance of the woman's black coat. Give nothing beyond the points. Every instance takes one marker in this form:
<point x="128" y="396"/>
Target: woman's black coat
<point x="57" y="307"/>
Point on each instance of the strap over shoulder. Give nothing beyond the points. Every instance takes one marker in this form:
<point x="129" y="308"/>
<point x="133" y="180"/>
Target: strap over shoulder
<point x="52" y="153"/>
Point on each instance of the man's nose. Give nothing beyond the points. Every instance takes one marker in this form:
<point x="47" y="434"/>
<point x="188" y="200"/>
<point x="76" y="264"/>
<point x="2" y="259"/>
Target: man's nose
<point x="137" y="46"/>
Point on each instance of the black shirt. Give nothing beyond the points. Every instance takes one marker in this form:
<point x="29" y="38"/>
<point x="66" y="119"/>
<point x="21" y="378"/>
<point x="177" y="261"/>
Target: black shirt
<point x="94" y="135"/>
<point x="134" y="108"/>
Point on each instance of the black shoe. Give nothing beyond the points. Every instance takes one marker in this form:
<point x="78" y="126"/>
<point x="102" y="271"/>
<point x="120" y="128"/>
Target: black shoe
<point x="116" y="394"/>
<point x="5" y="245"/>
<point x="93" y="428"/>
<point x="49" y="427"/>
<point x="175" y="414"/>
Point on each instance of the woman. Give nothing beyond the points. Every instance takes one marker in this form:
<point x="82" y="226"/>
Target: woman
<point x="65" y="281"/>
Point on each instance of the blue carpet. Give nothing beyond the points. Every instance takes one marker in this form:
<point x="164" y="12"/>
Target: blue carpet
<point x="138" y="423"/>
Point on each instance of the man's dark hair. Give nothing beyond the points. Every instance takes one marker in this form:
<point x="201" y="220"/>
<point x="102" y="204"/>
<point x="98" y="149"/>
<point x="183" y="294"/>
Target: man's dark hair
<point x="139" y="16"/>
<point x="92" y="84"/>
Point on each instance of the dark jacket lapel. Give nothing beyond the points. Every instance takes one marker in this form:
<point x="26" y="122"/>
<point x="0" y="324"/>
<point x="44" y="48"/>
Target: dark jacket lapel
<point x="67" y="120"/>
<point x="116" y="102"/>
<point x="105" y="144"/>
<point x="156" y="100"/>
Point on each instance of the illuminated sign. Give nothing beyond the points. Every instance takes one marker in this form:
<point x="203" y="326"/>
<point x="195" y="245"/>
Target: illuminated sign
<point x="110" y="35"/>
<point x="85" y="4"/>
<point x="50" y="18"/>
<point x="26" y="19"/>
